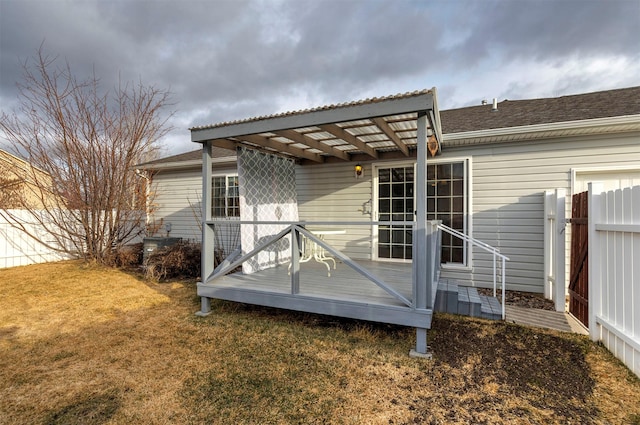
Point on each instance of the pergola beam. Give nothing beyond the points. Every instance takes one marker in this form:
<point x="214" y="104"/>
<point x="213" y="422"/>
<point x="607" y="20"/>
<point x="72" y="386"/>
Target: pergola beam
<point x="341" y="133"/>
<point x="388" y="131"/>
<point x="312" y="143"/>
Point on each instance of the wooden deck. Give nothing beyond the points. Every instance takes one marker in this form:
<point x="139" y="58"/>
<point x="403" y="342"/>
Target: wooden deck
<point x="557" y="320"/>
<point x="346" y="293"/>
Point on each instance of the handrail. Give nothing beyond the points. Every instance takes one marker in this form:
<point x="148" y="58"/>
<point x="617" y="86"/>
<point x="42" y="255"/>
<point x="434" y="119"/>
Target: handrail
<point x="488" y="248"/>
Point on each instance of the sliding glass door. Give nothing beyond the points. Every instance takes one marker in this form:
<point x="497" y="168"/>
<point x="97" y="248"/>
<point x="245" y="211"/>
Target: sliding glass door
<point x="395" y="202"/>
<point x="446" y="201"/>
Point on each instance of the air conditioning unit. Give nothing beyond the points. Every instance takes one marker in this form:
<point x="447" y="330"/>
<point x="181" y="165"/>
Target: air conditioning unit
<point x="152" y="244"/>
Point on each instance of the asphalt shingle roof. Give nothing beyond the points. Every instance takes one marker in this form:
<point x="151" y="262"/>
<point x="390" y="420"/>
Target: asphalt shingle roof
<point x="516" y="113"/>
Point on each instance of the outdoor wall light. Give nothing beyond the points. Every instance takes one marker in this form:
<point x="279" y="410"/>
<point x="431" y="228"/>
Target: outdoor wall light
<point x="359" y="171"/>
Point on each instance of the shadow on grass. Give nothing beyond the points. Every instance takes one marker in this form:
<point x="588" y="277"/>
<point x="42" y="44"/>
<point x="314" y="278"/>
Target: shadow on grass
<point x="93" y="409"/>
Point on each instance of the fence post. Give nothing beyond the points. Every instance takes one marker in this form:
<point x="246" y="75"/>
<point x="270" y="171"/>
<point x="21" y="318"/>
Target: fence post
<point x="549" y="253"/>
<point x="560" y="251"/>
<point x="595" y="267"/>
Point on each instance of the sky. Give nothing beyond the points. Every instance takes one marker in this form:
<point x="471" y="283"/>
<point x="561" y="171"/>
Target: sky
<point x="229" y="60"/>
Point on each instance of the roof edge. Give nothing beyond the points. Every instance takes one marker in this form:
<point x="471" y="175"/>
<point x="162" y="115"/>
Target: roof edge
<point x="596" y="125"/>
<point x="185" y="164"/>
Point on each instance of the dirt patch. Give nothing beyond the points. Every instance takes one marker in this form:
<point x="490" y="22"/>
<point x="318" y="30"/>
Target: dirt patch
<point x="527" y="362"/>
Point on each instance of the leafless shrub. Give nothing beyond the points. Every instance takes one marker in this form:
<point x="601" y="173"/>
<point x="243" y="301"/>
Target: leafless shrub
<point x="181" y="260"/>
<point x="129" y="256"/>
<point x="83" y="143"/>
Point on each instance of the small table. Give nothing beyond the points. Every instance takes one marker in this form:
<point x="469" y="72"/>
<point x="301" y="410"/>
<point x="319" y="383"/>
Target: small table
<point x="314" y="251"/>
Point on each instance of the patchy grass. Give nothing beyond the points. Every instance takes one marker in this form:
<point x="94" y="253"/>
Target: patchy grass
<point x="86" y="345"/>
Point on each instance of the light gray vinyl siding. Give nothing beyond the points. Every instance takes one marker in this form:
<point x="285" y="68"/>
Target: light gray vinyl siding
<point x="176" y="201"/>
<point x="177" y="196"/>
<point x="332" y="193"/>
<point x="509" y="181"/>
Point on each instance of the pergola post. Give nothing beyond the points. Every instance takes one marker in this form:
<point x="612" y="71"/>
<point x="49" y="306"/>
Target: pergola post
<point x="421" y="290"/>
<point x="208" y="240"/>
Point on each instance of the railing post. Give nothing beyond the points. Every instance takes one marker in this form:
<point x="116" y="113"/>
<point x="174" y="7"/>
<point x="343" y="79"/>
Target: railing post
<point x="295" y="260"/>
<point x="504" y="286"/>
<point x="494" y="273"/>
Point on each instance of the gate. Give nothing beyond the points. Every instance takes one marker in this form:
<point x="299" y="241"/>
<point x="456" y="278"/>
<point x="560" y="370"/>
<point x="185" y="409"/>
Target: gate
<point x="579" y="277"/>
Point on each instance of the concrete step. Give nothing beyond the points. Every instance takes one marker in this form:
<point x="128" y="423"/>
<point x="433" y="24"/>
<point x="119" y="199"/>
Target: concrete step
<point x="455" y="299"/>
<point x="491" y="308"/>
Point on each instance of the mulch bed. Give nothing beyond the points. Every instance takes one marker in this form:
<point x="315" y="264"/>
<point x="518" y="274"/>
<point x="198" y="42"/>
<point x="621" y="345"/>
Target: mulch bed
<point x="522" y="299"/>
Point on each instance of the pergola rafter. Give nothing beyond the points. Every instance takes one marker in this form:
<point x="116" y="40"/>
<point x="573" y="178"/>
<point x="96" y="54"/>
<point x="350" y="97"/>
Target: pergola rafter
<point x="313" y="143"/>
<point x="388" y="131"/>
<point x="343" y="134"/>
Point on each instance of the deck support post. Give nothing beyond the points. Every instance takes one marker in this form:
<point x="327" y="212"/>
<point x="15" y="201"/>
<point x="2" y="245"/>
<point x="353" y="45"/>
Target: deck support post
<point x="208" y="230"/>
<point x="205" y="307"/>
<point x="421" y="350"/>
<point x="421" y="261"/>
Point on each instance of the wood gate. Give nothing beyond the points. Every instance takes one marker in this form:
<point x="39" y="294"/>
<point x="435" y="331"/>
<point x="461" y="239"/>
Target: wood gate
<point x="579" y="275"/>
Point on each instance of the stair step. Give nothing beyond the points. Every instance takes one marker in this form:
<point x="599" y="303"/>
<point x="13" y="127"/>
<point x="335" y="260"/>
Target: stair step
<point x="490" y="308"/>
<point x="465" y="300"/>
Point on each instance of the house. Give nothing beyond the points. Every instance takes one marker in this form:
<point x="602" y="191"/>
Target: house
<point x="488" y="181"/>
<point x="24" y="192"/>
<point x="21" y="183"/>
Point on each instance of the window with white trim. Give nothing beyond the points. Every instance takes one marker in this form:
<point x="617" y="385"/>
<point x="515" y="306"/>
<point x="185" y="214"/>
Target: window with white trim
<point x="225" y="197"/>
<point x="447" y="201"/>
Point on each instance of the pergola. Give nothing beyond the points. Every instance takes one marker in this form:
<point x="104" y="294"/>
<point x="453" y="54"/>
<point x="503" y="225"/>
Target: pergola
<point x="399" y="126"/>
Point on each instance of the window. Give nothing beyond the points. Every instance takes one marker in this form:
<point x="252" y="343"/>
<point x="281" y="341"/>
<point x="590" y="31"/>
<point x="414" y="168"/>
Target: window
<point x="225" y="199"/>
<point x="446" y="191"/>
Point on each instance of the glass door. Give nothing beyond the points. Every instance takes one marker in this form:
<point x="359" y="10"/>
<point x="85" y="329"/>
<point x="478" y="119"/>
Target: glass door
<point x="395" y="202"/>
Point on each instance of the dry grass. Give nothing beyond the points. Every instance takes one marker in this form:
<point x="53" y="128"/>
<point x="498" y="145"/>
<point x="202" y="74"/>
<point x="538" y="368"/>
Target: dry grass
<point x="86" y="345"/>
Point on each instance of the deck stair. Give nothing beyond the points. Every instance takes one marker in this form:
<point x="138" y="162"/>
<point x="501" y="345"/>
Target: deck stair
<point x="465" y="300"/>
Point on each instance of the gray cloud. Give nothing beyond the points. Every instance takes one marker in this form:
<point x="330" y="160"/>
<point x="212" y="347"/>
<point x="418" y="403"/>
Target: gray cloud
<point x="226" y="60"/>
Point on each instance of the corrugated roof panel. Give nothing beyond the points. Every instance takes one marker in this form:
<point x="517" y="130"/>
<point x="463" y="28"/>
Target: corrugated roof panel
<point x="363" y="130"/>
<point x="373" y="138"/>
<point x="320" y="108"/>
<point x="334" y="142"/>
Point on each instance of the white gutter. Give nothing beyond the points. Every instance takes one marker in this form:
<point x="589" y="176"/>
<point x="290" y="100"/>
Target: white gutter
<point x="537" y="131"/>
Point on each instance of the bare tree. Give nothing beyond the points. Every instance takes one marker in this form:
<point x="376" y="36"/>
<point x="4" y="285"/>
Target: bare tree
<point x="83" y="144"/>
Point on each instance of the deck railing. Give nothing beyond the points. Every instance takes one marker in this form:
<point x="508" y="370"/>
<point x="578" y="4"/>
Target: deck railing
<point x="488" y="248"/>
<point x="300" y="228"/>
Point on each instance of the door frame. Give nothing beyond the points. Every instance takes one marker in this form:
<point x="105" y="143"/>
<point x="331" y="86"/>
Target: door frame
<point x="374" y="205"/>
<point x="468" y="206"/>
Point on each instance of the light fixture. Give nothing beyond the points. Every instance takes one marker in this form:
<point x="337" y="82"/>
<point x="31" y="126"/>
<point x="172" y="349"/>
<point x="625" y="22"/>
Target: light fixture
<point x="359" y="171"/>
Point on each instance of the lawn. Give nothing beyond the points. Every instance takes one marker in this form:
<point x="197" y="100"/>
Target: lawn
<point x="86" y="345"/>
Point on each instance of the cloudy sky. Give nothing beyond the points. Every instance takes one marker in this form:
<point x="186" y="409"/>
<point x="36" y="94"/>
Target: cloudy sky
<point x="226" y="60"/>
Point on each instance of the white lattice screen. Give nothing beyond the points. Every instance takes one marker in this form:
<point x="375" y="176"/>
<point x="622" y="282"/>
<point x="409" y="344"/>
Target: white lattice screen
<point x="267" y="193"/>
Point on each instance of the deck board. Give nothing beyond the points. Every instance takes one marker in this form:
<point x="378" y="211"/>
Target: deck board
<point x="345" y="293"/>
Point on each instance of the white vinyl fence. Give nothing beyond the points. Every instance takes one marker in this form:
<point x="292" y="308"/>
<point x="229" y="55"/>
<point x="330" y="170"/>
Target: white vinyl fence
<point x="614" y="271"/>
<point x="555" y="247"/>
<point x="17" y="248"/>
